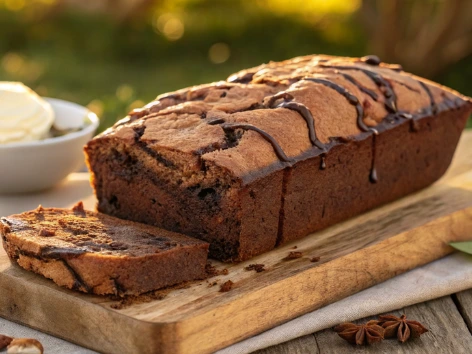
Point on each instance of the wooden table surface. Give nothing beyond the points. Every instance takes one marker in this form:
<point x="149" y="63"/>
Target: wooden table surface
<point x="449" y="320"/>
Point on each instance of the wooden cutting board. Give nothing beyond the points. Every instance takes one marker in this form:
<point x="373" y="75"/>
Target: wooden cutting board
<point x="354" y="255"/>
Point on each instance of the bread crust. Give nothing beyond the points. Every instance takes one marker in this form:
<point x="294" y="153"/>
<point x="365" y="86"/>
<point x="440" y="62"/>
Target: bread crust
<point x="277" y="151"/>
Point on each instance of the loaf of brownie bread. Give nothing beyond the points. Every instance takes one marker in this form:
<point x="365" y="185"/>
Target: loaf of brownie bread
<point x="277" y="151"/>
<point x="100" y="254"/>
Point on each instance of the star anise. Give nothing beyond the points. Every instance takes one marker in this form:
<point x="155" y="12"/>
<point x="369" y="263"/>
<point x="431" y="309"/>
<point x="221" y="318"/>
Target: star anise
<point x="368" y="333"/>
<point x="401" y="327"/>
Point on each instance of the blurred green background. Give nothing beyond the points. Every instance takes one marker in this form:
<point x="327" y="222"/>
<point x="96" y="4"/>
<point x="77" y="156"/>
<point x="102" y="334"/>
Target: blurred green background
<point x="115" y="55"/>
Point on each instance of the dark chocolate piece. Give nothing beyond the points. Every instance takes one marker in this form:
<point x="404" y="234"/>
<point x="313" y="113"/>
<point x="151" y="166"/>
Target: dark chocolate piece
<point x="433" y="106"/>
<point x="278" y="150"/>
<point x="371" y="60"/>
<point x="308" y="117"/>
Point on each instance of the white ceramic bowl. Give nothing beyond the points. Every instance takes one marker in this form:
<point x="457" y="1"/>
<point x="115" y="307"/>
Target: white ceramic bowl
<point x="38" y="165"/>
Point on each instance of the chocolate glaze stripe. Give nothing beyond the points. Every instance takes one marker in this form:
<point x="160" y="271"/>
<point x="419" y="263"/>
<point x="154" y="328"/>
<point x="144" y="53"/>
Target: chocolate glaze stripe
<point x="384" y="85"/>
<point x="432" y="102"/>
<point x="284" y="94"/>
<point x="351" y="99"/>
<point x="308" y="117"/>
<point x="373" y="171"/>
<point x="216" y="121"/>
<point x="367" y="91"/>
<point x="277" y="148"/>
<point x="406" y="86"/>
<point x="300" y="109"/>
<point x="409" y="117"/>
<point x="280" y="227"/>
<point x="360" y="115"/>
<point x="323" y="161"/>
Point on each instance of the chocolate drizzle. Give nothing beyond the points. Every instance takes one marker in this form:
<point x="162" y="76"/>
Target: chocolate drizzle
<point x="382" y="84"/>
<point x="216" y="121"/>
<point x="373" y="178"/>
<point x="360" y="122"/>
<point x="367" y="91"/>
<point x="410" y="117"/>
<point x="278" y="150"/>
<point x="351" y="99"/>
<point x="300" y="109"/>
<point x="308" y="117"/>
<point x="280" y="226"/>
<point x="406" y="86"/>
<point x="433" y="106"/>
<point x="323" y="161"/>
<point x="284" y="94"/>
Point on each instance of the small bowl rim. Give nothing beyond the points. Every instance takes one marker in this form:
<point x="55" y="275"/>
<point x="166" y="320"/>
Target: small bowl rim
<point x="95" y="121"/>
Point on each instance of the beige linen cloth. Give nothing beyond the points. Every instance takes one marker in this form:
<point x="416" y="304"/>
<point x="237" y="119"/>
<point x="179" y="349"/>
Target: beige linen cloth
<point x="442" y="277"/>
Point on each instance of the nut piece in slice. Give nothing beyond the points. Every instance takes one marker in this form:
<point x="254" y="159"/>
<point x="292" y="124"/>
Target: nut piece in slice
<point x="99" y="254"/>
<point x="25" y="346"/>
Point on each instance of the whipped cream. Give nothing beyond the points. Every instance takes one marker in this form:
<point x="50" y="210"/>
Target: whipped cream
<point x="24" y="116"/>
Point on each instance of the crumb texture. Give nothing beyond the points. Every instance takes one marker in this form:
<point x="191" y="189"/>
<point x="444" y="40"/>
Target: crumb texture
<point x="100" y="254"/>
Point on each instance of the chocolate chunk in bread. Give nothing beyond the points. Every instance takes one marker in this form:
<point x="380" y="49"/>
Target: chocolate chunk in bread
<point x="100" y="254"/>
<point x="277" y="151"/>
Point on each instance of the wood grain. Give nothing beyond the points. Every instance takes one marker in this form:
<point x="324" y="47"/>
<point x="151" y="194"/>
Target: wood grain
<point x="302" y="345"/>
<point x="447" y="334"/>
<point x="358" y="253"/>
<point x="463" y="302"/>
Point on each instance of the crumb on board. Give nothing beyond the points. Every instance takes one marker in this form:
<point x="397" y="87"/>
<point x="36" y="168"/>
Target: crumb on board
<point x="293" y="255"/>
<point x="226" y="286"/>
<point x="211" y="271"/>
<point x="314" y="259"/>
<point x="257" y="267"/>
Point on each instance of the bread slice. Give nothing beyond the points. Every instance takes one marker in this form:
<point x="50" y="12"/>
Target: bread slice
<point x="99" y="254"/>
